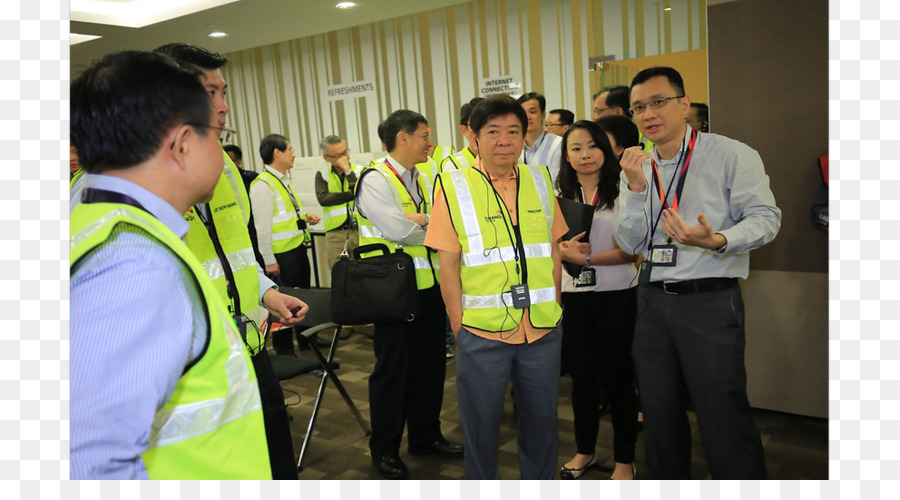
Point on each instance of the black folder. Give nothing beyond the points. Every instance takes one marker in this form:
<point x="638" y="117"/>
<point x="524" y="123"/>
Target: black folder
<point x="578" y="217"/>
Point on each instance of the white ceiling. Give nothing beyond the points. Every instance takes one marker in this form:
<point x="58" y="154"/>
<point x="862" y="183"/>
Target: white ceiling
<point x="249" y="23"/>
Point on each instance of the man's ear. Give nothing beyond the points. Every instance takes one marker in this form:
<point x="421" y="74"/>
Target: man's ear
<point x="179" y="145"/>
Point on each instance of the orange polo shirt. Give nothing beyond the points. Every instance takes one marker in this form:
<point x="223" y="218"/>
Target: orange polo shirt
<point x="442" y="236"/>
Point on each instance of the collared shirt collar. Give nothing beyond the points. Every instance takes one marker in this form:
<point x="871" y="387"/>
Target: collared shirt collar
<point x="537" y="143"/>
<point x="155" y="205"/>
<point x="674" y="159"/>
<point x="513" y="172"/>
<point x="284" y="178"/>
<point x="409" y="176"/>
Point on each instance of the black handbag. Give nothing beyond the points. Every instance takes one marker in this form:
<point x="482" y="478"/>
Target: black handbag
<point x="376" y="289"/>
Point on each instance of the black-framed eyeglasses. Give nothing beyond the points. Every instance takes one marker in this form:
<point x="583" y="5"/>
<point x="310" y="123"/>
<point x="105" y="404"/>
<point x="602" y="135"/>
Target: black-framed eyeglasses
<point x="657" y="103"/>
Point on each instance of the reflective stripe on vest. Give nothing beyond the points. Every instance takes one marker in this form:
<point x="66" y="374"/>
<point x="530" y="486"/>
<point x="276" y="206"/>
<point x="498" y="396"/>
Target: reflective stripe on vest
<point x="369" y="234"/>
<point x="238" y="188"/>
<point x="458" y="160"/>
<point x="441" y="152"/>
<point x="487" y="258"/>
<point x="211" y="427"/>
<point x="78" y="173"/>
<point x="505" y="299"/>
<point x="231" y="230"/>
<point x="285" y="234"/>
<point x="335" y="215"/>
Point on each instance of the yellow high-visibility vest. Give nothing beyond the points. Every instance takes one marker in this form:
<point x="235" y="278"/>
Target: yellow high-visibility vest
<point x="487" y="259"/>
<point x="211" y="427"/>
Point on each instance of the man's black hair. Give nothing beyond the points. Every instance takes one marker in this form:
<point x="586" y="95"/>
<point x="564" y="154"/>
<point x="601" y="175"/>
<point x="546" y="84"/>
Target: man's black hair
<point x="623" y="130"/>
<point x="192" y="54"/>
<point x="533" y="95"/>
<point x="123" y="105"/>
<point x="702" y="110"/>
<point x="671" y="74"/>
<point x="269" y="144"/>
<point x="402" y="120"/>
<point x="494" y="106"/>
<point x="231" y="148"/>
<point x="566" y="117"/>
<point x="466" y="110"/>
<point x="619" y="97"/>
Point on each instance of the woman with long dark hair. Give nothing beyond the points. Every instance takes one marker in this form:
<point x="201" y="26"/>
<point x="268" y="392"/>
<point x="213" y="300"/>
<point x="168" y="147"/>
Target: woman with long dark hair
<point x="599" y="305"/>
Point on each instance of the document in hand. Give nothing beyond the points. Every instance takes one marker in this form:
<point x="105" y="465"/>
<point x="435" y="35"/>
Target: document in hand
<point x="578" y="217"/>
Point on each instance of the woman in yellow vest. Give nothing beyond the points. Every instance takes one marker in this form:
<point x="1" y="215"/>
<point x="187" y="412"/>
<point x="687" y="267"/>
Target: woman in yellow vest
<point x="407" y="385"/>
<point x="161" y="383"/>
<point x="495" y="227"/>
<point x="599" y="302"/>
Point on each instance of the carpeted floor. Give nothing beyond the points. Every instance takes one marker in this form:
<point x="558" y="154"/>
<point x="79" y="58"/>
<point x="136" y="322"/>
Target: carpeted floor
<point x="796" y="447"/>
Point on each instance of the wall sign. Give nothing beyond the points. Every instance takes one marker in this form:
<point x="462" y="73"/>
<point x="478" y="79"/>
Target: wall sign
<point x="509" y="85"/>
<point x="349" y="90"/>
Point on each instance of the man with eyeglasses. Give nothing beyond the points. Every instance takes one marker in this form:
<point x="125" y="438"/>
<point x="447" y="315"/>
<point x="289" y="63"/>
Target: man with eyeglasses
<point x="221" y="235"/>
<point x="152" y="338"/>
<point x="613" y="101"/>
<point x="335" y="185"/>
<point x="558" y="121"/>
<point x="694" y="207"/>
<point x="406" y="387"/>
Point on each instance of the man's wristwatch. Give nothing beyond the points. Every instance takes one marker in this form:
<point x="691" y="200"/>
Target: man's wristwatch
<point x="721" y="249"/>
<point x="587" y="261"/>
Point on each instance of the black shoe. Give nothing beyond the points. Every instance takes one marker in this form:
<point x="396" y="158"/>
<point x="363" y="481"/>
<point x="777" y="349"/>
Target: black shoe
<point x="390" y="467"/>
<point x="441" y="448"/>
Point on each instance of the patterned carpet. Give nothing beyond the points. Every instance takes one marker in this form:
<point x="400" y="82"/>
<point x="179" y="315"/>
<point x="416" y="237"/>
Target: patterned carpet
<point x="796" y="447"/>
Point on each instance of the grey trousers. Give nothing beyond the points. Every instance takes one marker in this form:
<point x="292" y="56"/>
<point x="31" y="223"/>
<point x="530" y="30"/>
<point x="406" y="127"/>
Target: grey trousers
<point x="692" y="345"/>
<point x="483" y="369"/>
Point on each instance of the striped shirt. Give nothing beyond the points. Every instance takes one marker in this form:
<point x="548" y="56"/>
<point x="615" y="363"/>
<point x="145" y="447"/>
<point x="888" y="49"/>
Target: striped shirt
<point x="546" y="151"/>
<point x="137" y="320"/>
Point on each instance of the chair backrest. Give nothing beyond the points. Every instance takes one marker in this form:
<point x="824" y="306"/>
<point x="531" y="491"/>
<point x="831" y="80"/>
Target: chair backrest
<point x="318" y="300"/>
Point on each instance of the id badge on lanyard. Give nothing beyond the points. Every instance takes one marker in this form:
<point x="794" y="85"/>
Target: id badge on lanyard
<point x="666" y="255"/>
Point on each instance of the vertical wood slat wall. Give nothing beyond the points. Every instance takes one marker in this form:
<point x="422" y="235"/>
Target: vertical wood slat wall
<point x="433" y="62"/>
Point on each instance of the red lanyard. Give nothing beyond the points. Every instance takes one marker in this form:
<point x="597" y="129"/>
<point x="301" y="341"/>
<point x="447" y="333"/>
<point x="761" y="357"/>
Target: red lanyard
<point x="413" y="198"/>
<point x="681" y="178"/>
<point x="596" y="196"/>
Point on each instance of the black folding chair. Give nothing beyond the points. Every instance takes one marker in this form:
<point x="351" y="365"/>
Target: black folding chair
<point x="317" y="320"/>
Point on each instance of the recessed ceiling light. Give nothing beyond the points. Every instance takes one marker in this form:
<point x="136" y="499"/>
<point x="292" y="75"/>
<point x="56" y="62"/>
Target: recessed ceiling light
<point x="345" y="5"/>
<point x="668" y="8"/>
<point x="218" y="34"/>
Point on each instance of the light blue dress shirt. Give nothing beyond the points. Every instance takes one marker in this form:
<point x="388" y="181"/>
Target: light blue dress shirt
<point x="137" y="321"/>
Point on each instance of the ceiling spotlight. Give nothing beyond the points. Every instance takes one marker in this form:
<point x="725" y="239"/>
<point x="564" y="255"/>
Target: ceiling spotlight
<point x="668" y="8"/>
<point x="218" y="34"/>
<point x="345" y="5"/>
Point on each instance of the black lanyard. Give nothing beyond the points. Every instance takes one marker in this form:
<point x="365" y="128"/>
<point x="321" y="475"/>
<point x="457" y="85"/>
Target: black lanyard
<point x="682" y="176"/>
<point x="230" y="284"/>
<point x="92" y="195"/>
<point x="515" y="234"/>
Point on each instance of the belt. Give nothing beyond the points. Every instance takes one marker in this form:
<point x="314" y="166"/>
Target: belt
<point x="691" y="286"/>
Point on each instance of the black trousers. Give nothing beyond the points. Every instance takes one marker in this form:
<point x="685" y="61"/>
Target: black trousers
<point x="295" y="272"/>
<point x="697" y="337"/>
<point x="406" y="387"/>
<point x="598" y="328"/>
<point x="278" y="431"/>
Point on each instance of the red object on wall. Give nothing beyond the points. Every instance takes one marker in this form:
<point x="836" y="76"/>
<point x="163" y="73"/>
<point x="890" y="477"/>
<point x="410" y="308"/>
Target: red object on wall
<point x="823" y="167"/>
